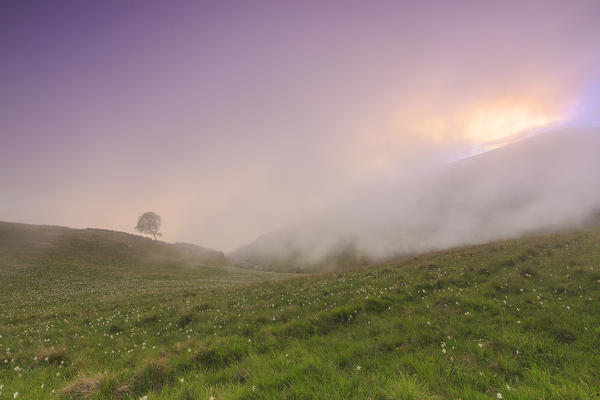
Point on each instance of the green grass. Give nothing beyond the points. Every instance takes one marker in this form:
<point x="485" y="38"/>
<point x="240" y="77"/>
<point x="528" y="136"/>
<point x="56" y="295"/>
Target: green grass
<point x="518" y="318"/>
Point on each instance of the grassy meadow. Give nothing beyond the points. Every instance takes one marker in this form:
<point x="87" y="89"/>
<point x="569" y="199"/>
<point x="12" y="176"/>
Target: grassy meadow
<point x="96" y="316"/>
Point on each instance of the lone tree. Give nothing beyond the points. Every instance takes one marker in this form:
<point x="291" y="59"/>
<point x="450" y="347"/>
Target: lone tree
<point x="149" y="223"/>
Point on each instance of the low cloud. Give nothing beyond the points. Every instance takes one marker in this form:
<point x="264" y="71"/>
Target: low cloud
<point x="544" y="183"/>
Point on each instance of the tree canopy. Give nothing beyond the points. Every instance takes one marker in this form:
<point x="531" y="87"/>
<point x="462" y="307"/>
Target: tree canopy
<point x="149" y="223"/>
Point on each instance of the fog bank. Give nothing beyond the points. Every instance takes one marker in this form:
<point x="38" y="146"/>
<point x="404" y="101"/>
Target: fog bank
<point x="547" y="182"/>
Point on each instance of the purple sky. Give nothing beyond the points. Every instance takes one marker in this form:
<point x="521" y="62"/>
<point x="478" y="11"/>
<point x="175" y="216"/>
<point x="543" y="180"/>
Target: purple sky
<point x="231" y="119"/>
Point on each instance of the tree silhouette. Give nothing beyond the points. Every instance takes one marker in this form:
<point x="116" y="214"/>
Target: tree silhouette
<point x="149" y="223"/>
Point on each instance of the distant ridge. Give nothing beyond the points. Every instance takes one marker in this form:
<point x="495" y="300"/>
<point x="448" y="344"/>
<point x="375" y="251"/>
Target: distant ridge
<point x="102" y="245"/>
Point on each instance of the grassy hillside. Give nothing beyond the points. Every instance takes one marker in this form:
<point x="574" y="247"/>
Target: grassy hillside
<point x="22" y="241"/>
<point x="517" y="319"/>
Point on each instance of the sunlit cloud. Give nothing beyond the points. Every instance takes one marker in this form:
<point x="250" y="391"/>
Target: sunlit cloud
<point x="422" y="134"/>
<point x="488" y="126"/>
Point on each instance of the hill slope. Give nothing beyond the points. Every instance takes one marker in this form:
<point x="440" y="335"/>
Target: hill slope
<point x="518" y="318"/>
<point x="98" y="245"/>
<point x="52" y="265"/>
<point x="541" y="184"/>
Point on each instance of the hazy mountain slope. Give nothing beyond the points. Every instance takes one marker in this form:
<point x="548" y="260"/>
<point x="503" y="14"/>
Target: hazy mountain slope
<point x="30" y="242"/>
<point x="544" y="183"/>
